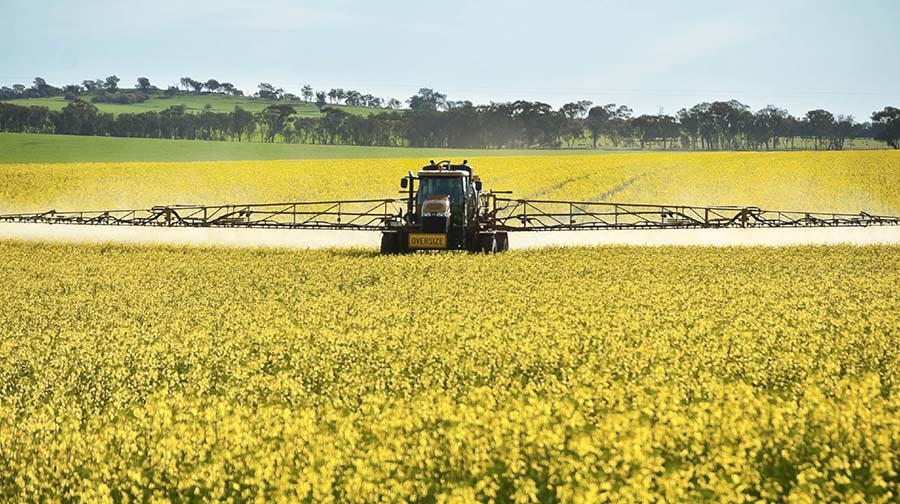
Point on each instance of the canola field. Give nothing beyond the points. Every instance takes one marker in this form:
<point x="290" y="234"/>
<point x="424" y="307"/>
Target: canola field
<point x="848" y="181"/>
<point x="573" y="375"/>
<point x="605" y="374"/>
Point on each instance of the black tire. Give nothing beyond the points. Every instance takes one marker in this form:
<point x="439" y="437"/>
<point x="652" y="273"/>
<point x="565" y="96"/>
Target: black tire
<point x="390" y="243"/>
<point x="487" y="243"/>
<point x="502" y="242"/>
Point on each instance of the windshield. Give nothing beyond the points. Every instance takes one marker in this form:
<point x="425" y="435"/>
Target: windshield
<point x="448" y="186"/>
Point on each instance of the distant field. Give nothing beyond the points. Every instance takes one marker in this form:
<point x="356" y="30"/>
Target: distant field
<point x="193" y="102"/>
<point x="814" y="181"/>
<point x="29" y="148"/>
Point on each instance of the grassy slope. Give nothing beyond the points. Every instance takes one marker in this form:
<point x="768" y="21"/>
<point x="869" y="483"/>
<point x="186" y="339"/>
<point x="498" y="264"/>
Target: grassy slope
<point x="193" y="102"/>
<point x="36" y="148"/>
<point x="28" y="148"/>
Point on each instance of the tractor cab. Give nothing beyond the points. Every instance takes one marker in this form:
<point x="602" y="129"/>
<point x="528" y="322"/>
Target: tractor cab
<point x="447" y="197"/>
<point x="443" y="209"/>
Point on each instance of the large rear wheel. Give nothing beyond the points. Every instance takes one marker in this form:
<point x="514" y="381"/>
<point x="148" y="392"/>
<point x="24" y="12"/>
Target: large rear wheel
<point x="502" y="240"/>
<point x="390" y="243"/>
<point x="487" y="243"/>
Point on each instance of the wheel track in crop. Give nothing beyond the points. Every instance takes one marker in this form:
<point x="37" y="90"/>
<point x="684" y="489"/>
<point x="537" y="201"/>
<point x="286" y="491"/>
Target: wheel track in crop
<point x="619" y="188"/>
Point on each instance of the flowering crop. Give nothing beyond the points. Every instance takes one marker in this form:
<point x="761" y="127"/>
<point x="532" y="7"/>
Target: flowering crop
<point x="576" y="375"/>
<point x="579" y="375"/>
<point x="814" y="181"/>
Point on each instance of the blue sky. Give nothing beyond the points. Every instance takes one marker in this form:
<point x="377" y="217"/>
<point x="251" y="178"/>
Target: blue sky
<point x="647" y="54"/>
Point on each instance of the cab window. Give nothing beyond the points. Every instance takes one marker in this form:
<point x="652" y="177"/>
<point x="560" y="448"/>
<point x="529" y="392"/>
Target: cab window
<point x="447" y="186"/>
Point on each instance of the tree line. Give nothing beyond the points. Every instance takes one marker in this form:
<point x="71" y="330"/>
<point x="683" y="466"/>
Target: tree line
<point x="106" y="90"/>
<point x="431" y="120"/>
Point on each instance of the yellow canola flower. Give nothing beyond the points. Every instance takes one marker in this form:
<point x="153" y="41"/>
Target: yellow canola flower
<point x="580" y="375"/>
<point x="846" y="181"/>
<point x="609" y="374"/>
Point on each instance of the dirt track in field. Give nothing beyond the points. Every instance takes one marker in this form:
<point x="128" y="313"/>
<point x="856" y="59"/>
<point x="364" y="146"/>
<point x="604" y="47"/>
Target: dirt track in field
<point x="324" y="239"/>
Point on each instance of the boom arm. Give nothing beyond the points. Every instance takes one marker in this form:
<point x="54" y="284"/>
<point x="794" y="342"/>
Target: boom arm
<point x="373" y="215"/>
<point x="497" y="213"/>
<point x="551" y="215"/>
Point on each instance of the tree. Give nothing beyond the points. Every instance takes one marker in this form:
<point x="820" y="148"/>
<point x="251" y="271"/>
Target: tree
<point x="353" y="98"/>
<point x="427" y="99"/>
<point x="12" y="118"/>
<point x="189" y="83"/>
<point x="38" y="120"/>
<point x="42" y="89"/>
<point x="888" y="122"/>
<point x="690" y="127"/>
<point x="307" y="92"/>
<point x="643" y="127"/>
<point x="821" y="123"/>
<point x="274" y="118"/>
<point x="112" y="83"/>
<point x="667" y="130"/>
<point x="229" y="89"/>
<point x="721" y="124"/>
<point x="320" y="100"/>
<point x="74" y="89"/>
<point x="143" y="84"/>
<point x="596" y="121"/>
<point x="768" y="125"/>
<point x="618" y="127"/>
<point x="461" y="121"/>
<point x="268" y="91"/>
<point x="240" y="122"/>
<point x="655" y="128"/>
<point x="575" y="110"/>
<point x="573" y="122"/>
<point x="79" y="118"/>
<point x="173" y="123"/>
<point x="842" y="130"/>
<point x="730" y="119"/>
<point x="541" y="124"/>
<point x="436" y="122"/>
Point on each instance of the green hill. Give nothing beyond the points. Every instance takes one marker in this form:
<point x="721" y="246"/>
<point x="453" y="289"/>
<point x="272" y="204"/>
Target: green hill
<point x="193" y="102"/>
<point x="37" y="148"/>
